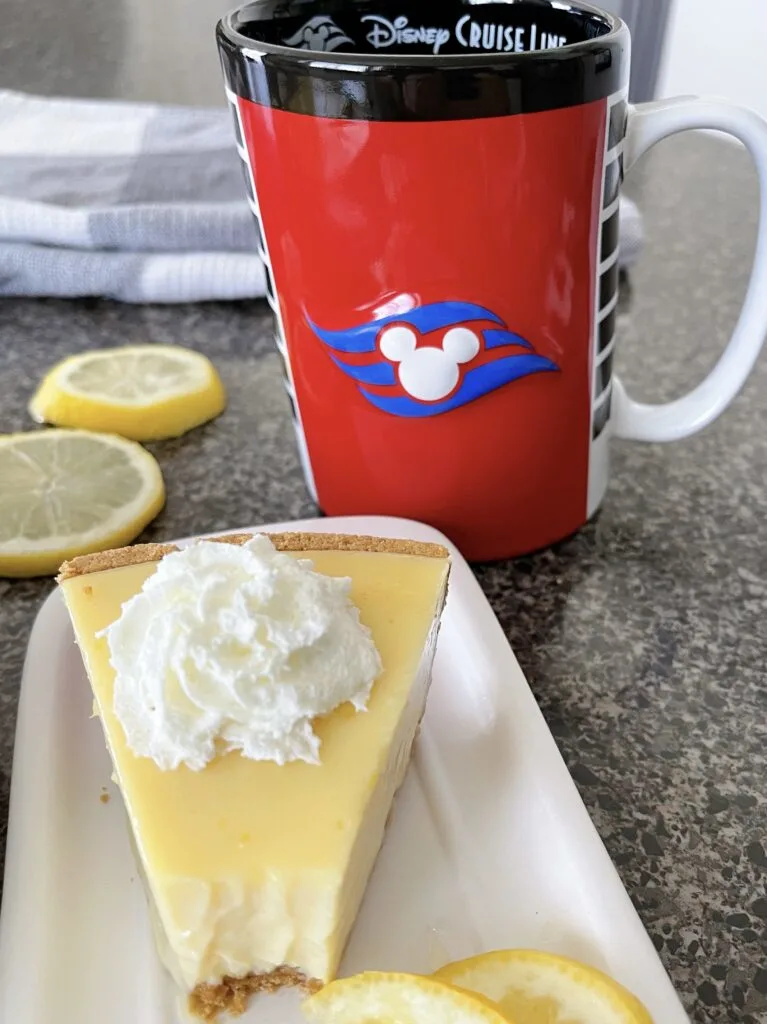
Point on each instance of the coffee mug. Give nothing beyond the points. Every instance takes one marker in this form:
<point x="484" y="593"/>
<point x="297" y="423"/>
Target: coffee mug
<point x="437" y="198"/>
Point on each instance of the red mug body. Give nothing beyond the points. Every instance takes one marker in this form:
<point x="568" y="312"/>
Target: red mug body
<point x="441" y="240"/>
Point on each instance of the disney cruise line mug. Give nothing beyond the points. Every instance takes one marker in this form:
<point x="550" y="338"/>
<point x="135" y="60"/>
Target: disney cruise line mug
<point x="436" y="186"/>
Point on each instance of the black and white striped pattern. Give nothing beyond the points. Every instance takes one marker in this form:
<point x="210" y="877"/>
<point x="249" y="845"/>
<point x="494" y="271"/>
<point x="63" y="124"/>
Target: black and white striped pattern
<point x="606" y="300"/>
<point x="271" y="293"/>
<point x="607" y="255"/>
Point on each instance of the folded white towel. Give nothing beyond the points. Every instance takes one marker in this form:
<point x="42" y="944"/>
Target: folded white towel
<point x="136" y="202"/>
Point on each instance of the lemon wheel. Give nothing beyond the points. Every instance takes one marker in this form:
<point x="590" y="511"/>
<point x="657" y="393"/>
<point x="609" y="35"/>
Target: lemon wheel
<point x="142" y="392"/>
<point x="70" y="492"/>
<point x="533" y="987"/>
<point x="381" y="998"/>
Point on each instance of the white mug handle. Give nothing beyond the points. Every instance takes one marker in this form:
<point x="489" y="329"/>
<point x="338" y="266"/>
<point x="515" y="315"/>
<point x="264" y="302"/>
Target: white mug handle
<point x="648" y="123"/>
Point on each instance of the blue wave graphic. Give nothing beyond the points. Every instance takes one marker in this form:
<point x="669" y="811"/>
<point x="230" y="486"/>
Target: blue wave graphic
<point x="373" y="373"/>
<point x="432" y="317"/>
<point x="477" y="382"/>
<point x="495" y="338"/>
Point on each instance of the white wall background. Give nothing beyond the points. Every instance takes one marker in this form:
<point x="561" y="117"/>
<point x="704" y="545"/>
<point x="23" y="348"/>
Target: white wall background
<point x="177" y="63"/>
<point x="717" y="47"/>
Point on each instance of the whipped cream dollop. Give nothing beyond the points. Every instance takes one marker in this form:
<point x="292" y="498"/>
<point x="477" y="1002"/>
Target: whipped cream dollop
<point x="230" y="647"/>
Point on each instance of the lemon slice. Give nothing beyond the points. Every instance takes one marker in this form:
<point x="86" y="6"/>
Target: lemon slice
<point x="397" y="999"/>
<point x="541" y="988"/>
<point x="144" y="392"/>
<point x="70" y="492"/>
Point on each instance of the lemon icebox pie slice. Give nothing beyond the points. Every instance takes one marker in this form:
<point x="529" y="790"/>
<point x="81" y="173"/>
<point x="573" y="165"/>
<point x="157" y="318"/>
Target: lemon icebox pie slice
<point x="259" y="697"/>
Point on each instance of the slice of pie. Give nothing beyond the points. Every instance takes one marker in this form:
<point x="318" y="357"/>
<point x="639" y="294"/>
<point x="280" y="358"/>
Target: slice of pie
<point x="255" y="871"/>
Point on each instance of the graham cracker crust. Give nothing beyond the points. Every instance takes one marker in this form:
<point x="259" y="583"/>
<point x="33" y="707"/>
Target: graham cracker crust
<point x="232" y="995"/>
<point x="136" y="554"/>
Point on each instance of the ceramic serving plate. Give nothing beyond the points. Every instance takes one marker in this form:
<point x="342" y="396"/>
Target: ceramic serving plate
<point x="489" y="846"/>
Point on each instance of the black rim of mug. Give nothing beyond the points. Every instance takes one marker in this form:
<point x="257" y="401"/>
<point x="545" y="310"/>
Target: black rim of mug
<point x="228" y="30"/>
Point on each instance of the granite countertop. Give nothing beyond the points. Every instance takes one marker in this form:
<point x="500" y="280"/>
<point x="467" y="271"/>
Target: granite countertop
<point x="643" y="637"/>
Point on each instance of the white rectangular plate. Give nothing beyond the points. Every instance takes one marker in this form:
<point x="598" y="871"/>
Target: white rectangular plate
<point x="490" y="845"/>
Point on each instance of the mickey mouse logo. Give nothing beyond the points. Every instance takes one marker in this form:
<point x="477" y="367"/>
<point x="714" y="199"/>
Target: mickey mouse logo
<point x="428" y="373"/>
<point x="318" y="33"/>
<point x="433" y="358"/>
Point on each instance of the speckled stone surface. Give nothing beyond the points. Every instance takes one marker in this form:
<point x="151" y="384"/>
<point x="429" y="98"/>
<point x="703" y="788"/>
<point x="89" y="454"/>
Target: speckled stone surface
<point x="644" y="638"/>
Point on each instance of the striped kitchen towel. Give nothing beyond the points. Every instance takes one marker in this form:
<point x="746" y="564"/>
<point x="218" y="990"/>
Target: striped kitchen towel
<point x="134" y="201"/>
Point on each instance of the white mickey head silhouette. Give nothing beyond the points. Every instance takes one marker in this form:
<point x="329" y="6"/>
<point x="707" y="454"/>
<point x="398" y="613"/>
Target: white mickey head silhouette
<point x="428" y="373"/>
